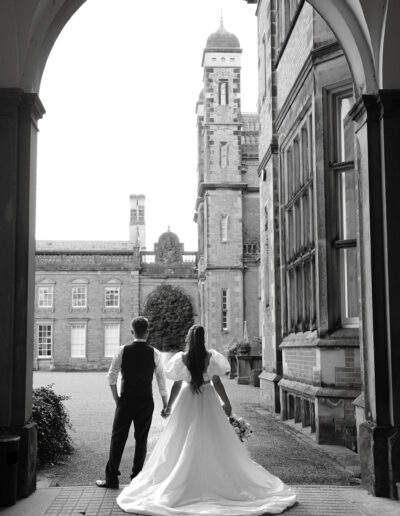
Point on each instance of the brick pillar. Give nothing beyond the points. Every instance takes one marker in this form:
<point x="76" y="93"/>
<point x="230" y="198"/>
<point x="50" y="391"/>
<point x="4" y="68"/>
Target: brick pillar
<point x="378" y="126"/>
<point x="19" y="113"/>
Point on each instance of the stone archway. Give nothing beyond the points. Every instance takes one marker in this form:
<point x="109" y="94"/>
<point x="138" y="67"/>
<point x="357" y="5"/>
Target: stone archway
<point x="369" y="35"/>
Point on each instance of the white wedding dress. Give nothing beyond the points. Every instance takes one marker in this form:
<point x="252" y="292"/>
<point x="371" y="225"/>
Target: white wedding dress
<point x="199" y="466"/>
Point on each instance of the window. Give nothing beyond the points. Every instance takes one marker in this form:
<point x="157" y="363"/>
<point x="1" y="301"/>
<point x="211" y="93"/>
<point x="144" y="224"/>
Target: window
<point x="299" y="231"/>
<point x="79" y="297"/>
<point x="45" y="297"/>
<point x="141" y="213"/>
<point x="223" y="92"/>
<point x="137" y="214"/>
<point x="78" y="340"/>
<point x="112" y="297"/>
<point x="345" y="201"/>
<point x="45" y="340"/>
<point x="264" y="67"/>
<point x="111" y="339"/>
<point x="224" y="228"/>
<point x="225" y="309"/>
<point x="223" y="154"/>
<point x="266" y="270"/>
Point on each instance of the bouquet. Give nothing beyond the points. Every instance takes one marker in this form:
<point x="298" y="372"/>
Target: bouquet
<point x="241" y="427"/>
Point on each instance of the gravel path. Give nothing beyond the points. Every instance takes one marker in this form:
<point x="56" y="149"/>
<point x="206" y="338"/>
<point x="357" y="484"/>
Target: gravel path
<point x="91" y="408"/>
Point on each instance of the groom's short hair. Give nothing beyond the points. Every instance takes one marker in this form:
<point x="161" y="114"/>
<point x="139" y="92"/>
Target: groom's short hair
<point x="140" y="325"/>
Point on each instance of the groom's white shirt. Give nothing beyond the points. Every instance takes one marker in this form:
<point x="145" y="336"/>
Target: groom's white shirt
<point x="115" y="369"/>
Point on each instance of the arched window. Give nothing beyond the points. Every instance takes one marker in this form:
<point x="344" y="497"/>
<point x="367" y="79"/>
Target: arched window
<point x="224" y="228"/>
<point x="223" y="92"/>
<point x="223" y="154"/>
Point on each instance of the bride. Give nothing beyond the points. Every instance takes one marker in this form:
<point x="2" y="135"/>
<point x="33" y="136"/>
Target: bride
<point x="199" y="466"/>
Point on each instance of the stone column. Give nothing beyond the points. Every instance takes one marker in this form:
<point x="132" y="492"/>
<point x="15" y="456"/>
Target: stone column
<point x="19" y="113"/>
<point x="377" y="127"/>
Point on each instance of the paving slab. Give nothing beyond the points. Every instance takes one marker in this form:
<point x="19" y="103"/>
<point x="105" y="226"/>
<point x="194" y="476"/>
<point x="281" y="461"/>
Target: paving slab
<point x="311" y="501"/>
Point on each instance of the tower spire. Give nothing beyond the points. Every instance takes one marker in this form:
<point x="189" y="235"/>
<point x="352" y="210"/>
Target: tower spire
<point x="221" y="22"/>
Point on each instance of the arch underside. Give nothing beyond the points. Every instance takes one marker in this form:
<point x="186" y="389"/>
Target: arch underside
<point x="367" y="30"/>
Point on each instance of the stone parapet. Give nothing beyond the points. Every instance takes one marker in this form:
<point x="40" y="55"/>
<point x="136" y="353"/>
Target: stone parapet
<point x="79" y="261"/>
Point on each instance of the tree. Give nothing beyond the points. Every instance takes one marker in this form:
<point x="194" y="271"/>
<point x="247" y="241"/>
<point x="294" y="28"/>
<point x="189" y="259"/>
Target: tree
<point x="170" y="314"/>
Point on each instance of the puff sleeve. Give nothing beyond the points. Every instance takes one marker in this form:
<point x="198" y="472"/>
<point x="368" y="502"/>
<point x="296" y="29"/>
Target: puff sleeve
<point x="176" y="370"/>
<point x="219" y="365"/>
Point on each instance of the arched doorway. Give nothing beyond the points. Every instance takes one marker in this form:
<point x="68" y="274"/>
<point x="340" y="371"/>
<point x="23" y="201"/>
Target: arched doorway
<point x="370" y="38"/>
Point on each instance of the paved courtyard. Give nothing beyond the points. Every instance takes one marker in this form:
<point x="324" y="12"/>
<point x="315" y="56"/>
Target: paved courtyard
<point x="323" y="487"/>
<point x="273" y="445"/>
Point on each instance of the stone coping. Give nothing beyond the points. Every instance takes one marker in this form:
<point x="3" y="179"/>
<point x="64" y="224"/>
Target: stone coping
<point x="315" y="391"/>
<point x="271" y="377"/>
<point x="345" y="338"/>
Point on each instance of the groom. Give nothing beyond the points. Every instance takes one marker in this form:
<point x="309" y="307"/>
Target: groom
<point x="137" y="362"/>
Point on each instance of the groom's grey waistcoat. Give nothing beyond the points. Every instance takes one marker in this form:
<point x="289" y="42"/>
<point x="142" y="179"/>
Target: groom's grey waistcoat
<point x="137" y="370"/>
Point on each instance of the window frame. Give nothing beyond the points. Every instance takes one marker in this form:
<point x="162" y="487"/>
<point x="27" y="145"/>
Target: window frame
<point x="225" y="312"/>
<point x="44" y="287"/>
<point x="299" y="242"/>
<point x="223" y="155"/>
<point x="51" y="343"/>
<point x="224" y="224"/>
<point x="336" y="166"/>
<point x="107" y="325"/>
<point x="77" y="287"/>
<point x="108" y="288"/>
<point x="223" y="92"/>
<point x="81" y="325"/>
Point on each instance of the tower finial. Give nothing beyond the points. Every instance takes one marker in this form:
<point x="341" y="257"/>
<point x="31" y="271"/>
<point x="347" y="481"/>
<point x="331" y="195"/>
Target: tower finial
<point x="222" y="20"/>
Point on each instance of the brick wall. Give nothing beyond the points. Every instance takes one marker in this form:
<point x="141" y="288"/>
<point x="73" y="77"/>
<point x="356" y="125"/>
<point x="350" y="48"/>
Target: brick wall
<point x="224" y="203"/>
<point x="299" y="364"/>
<point x="296" y="52"/>
<point x="95" y="316"/>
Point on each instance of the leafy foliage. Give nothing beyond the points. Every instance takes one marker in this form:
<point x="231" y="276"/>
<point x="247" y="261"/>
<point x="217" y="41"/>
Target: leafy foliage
<point x="53" y="423"/>
<point x="170" y="315"/>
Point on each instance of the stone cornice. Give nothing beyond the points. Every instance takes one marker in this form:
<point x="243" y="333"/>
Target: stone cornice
<point x="203" y="187"/>
<point x="15" y="99"/>
<point x="224" y="268"/>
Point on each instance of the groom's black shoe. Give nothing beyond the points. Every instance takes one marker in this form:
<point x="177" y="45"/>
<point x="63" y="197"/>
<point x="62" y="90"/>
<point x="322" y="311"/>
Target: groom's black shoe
<point x="108" y="484"/>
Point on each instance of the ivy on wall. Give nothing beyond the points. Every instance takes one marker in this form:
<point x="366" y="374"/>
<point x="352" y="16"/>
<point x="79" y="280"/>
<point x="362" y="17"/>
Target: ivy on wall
<point x="170" y="314"/>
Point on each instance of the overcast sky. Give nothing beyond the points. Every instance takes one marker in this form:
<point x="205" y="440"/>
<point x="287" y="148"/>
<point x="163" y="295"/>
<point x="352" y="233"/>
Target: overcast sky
<point x="120" y="89"/>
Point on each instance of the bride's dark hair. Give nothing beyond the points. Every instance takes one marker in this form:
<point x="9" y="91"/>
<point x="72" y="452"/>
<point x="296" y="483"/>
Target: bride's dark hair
<point x="196" y="357"/>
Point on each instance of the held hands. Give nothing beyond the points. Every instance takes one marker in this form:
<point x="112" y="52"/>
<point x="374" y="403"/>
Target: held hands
<point x="166" y="411"/>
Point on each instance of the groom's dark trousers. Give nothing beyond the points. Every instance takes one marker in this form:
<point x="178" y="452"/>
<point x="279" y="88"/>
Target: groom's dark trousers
<point x="135" y="405"/>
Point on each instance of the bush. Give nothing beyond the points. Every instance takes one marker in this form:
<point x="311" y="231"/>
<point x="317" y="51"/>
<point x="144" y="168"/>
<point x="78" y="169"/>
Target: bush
<point x="53" y="423"/>
<point x="170" y="315"/>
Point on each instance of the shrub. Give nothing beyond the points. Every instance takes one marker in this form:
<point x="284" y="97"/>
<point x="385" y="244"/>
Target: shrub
<point x="53" y="423"/>
<point x="170" y="315"/>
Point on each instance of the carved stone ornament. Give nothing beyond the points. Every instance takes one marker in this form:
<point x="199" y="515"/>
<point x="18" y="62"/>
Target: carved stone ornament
<point x="168" y="249"/>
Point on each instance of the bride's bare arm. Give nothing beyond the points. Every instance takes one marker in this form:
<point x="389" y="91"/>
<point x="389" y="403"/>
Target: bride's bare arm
<point x="172" y="397"/>
<point x="219" y="387"/>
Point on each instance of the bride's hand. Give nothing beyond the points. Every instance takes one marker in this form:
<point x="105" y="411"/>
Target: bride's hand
<point x="227" y="409"/>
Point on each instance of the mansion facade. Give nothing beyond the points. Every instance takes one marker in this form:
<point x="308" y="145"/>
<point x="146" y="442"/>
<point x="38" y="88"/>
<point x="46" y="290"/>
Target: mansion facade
<point x="309" y="218"/>
<point x="88" y="292"/>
